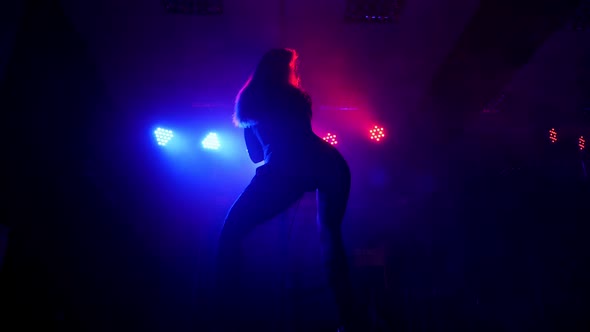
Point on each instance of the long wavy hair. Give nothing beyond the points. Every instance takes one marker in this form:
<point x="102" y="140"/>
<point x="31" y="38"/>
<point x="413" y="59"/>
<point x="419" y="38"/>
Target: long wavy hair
<point x="277" y="69"/>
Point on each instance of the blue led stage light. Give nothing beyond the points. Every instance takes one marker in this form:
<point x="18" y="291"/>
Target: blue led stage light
<point x="163" y="136"/>
<point x="211" y="142"/>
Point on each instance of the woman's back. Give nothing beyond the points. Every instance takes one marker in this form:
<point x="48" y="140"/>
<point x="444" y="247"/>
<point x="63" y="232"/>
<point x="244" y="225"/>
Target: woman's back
<point x="281" y="120"/>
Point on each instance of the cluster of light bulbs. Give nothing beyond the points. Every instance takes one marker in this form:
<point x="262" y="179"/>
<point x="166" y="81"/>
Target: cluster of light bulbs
<point x="164" y="136"/>
<point x="376" y="134"/>
<point x="553" y="139"/>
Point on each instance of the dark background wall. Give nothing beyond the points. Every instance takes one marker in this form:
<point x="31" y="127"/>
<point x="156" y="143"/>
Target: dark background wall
<point x="109" y="232"/>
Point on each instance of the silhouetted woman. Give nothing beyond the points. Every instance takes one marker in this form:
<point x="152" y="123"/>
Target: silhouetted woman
<point x="276" y="116"/>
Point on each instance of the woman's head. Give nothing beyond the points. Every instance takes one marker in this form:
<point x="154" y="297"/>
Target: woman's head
<point x="277" y="66"/>
<point x="276" y="70"/>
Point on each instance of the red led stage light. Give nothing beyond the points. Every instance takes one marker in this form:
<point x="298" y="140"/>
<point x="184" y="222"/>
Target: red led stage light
<point x="331" y="138"/>
<point x="377" y="133"/>
<point x="553" y="135"/>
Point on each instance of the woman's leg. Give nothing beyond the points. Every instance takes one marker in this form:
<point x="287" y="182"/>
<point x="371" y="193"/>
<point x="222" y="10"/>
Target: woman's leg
<point x="269" y="194"/>
<point x="332" y="196"/>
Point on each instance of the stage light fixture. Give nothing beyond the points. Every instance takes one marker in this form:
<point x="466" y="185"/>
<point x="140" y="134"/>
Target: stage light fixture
<point x="373" y="11"/>
<point x="581" y="143"/>
<point x="211" y="142"/>
<point x="331" y="138"/>
<point x="553" y="135"/>
<point x="377" y="133"/>
<point x="163" y="136"/>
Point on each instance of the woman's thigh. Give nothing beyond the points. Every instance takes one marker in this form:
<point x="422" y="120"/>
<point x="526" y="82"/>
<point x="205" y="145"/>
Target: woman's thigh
<point x="270" y="192"/>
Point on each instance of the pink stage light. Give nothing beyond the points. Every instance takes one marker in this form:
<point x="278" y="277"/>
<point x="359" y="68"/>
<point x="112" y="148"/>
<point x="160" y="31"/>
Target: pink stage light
<point x="553" y="135"/>
<point x="331" y="138"/>
<point x="377" y="133"/>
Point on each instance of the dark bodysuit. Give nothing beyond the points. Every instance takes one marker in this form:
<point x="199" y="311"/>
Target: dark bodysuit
<point x="296" y="161"/>
<point x="284" y="133"/>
